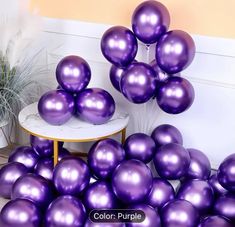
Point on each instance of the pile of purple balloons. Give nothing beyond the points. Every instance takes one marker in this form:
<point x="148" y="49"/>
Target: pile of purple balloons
<point x="94" y="105"/>
<point x="118" y="176"/>
<point x="138" y="81"/>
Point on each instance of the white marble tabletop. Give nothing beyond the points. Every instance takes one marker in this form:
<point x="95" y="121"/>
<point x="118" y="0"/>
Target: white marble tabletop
<point x="73" y="130"/>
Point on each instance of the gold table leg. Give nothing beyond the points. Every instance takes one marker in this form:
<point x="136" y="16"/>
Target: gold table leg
<point x="123" y="135"/>
<point x="56" y="152"/>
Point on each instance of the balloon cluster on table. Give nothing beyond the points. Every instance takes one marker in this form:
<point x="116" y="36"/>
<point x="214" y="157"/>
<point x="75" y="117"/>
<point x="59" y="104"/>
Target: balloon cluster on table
<point x="139" y="81"/>
<point x="118" y="177"/>
<point x="94" y="105"/>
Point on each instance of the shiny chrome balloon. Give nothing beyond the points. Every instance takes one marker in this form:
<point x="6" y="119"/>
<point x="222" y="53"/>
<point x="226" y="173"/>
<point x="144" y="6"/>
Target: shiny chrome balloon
<point x="99" y="195"/>
<point x="132" y="181"/>
<point x="25" y="155"/>
<point x="150" y="21"/>
<point x="216" y="186"/>
<point x="95" y="105"/>
<point x="215" y="221"/>
<point x="164" y="134"/>
<point x="9" y="173"/>
<point x="161" y="193"/>
<point x="56" y="107"/>
<point x="71" y="176"/>
<point x="73" y="73"/>
<point x="44" y="168"/>
<point x="89" y="223"/>
<point x="119" y="46"/>
<point x="175" y="95"/>
<point x="199" y="193"/>
<point x="33" y="187"/>
<point x="104" y="156"/>
<point x="179" y="213"/>
<point x="140" y="146"/>
<point x="66" y="211"/>
<point x="20" y="213"/>
<point x="175" y="51"/>
<point x="171" y="161"/>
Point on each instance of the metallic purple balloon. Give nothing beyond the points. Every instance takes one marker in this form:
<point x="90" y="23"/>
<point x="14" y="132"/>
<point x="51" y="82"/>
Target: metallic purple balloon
<point x="56" y="107"/>
<point x="216" y="186"/>
<point x="172" y="161"/>
<point x="89" y="223"/>
<point x="164" y="134"/>
<point x="200" y="167"/>
<point x="99" y="195"/>
<point x="71" y="176"/>
<point x="225" y="206"/>
<point x="9" y="173"/>
<point x="119" y="46"/>
<point x="20" y="213"/>
<point x="161" y="76"/>
<point x="45" y="168"/>
<point x="25" y="155"/>
<point x="73" y="73"/>
<point x="176" y="95"/>
<point x="115" y="75"/>
<point x="140" y="146"/>
<point x="226" y="173"/>
<point x="132" y="181"/>
<point x="43" y="147"/>
<point x="197" y="192"/>
<point x="104" y="156"/>
<point x="63" y="153"/>
<point x="152" y="217"/>
<point x="161" y="193"/>
<point x="215" y="221"/>
<point x="65" y="211"/>
<point x="150" y="21"/>
<point x="179" y="213"/>
<point x="138" y="83"/>
<point x="33" y="187"/>
<point x="175" y="51"/>
<point x="95" y="105"/>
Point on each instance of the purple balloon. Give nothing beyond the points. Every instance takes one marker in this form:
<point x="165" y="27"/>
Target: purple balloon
<point x="200" y="167"/>
<point x="175" y="51"/>
<point x="161" y="76"/>
<point x="119" y="46"/>
<point x="164" y="134"/>
<point x="179" y="213"/>
<point x="226" y="173"/>
<point x="25" y="155"/>
<point x="150" y="21"/>
<point x="73" y="73"/>
<point x="43" y="147"/>
<point x="132" y="181"/>
<point x="176" y="95"/>
<point x="104" y="156"/>
<point x="225" y="206"/>
<point x="152" y="217"/>
<point x="172" y="161"/>
<point x="99" y="195"/>
<point x="161" y="193"/>
<point x="197" y="192"/>
<point x="115" y="75"/>
<point x="63" y="153"/>
<point x="33" y="187"/>
<point x="65" y="211"/>
<point x="95" y="105"/>
<point x="45" y="168"/>
<point x="9" y="173"/>
<point x="20" y="213"/>
<point x="216" y="186"/>
<point x="56" y="107"/>
<point x="138" y="83"/>
<point x="71" y="176"/>
<point x="89" y="223"/>
<point x="140" y="146"/>
<point x="215" y="221"/>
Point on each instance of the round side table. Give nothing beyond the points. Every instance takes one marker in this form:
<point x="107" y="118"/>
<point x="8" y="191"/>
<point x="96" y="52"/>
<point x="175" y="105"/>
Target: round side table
<point x="74" y="130"/>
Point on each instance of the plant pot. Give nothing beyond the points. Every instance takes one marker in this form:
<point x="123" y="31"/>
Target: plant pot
<point x="4" y="133"/>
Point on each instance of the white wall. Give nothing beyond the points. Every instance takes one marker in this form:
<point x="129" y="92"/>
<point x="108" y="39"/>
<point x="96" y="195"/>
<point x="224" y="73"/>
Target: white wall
<point x="209" y="125"/>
